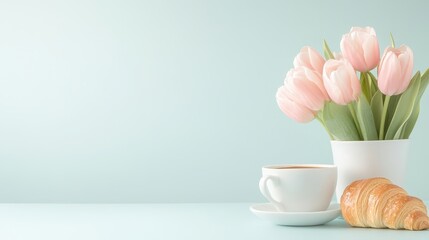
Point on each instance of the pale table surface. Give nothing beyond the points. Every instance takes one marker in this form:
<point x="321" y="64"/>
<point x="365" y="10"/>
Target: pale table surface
<point x="166" y="221"/>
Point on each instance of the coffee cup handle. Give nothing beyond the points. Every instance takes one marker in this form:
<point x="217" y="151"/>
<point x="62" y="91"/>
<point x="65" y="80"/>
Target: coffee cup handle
<point x="264" y="190"/>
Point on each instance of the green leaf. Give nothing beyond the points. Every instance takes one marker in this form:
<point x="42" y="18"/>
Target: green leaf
<point x="339" y="121"/>
<point x="409" y="126"/>
<point x="423" y="84"/>
<point x="327" y="51"/>
<point x="377" y="109"/>
<point x="368" y="85"/>
<point x="366" y="119"/>
<point x="392" y="41"/>
<point x="372" y="81"/>
<point x="393" y="103"/>
<point x="404" y="108"/>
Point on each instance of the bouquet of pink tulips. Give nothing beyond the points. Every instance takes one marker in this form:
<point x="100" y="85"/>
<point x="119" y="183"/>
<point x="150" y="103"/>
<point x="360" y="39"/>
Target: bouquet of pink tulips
<point x="384" y="106"/>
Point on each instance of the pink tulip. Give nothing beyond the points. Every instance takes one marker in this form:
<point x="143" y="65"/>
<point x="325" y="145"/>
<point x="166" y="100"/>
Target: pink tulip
<point x="360" y="48"/>
<point x="310" y="58"/>
<point x="306" y="87"/>
<point x="293" y="109"/>
<point x="341" y="82"/>
<point x="395" y="70"/>
<point x="302" y="95"/>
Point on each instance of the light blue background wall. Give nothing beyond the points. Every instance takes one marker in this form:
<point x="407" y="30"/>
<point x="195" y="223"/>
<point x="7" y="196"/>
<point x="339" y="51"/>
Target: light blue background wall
<point x="170" y="101"/>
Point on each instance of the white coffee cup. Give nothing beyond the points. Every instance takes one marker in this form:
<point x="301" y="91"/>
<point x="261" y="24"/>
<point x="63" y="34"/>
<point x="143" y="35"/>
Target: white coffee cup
<point x="299" y="187"/>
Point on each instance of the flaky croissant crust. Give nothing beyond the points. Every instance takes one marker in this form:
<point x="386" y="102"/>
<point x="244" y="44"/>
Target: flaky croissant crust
<point x="377" y="203"/>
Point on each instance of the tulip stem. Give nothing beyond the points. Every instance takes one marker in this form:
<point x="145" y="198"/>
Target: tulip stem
<point x="383" y="117"/>
<point x="369" y="80"/>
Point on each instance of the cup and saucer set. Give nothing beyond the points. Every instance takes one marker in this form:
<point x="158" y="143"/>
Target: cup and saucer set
<point x="298" y="195"/>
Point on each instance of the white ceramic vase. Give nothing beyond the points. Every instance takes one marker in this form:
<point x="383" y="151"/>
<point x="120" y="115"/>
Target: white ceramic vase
<point x="366" y="159"/>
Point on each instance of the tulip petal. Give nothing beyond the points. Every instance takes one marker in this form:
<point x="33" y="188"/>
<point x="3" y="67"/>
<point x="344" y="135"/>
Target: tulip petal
<point x="340" y="81"/>
<point x="310" y="58"/>
<point x="293" y="109"/>
<point x="388" y="74"/>
<point x="406" y="60"/>
<point x="360" y="48"/>
<point x="371" y="52"/>
<point x="353" y="54"/>
<point x="301" y="82"/>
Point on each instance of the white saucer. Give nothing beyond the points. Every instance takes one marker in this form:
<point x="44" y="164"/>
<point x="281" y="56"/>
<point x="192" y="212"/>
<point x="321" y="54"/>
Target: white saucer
<point x="268" y="212"/>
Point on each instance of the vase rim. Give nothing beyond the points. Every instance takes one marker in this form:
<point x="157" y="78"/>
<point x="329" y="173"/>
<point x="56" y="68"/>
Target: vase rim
<point x="373" y="141"/>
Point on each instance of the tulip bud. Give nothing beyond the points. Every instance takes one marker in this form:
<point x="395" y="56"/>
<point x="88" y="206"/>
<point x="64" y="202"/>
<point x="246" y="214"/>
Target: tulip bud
<point x="395" y="70"/>
<point x="310" y="58"/>
<point x="302" y="95"/>
<point x="293" y="109"/>
<point x="341" y="82"/>
<point x="306" y="86"/>
<point x="360" y="48"/>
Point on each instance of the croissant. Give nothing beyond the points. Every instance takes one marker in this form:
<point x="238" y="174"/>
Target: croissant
<point x="377" y="203"/>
